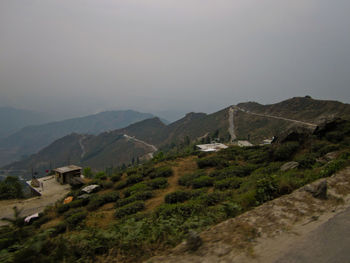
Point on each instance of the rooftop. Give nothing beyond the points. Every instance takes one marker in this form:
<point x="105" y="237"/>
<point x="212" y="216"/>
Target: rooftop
<point x="66" y="169"/>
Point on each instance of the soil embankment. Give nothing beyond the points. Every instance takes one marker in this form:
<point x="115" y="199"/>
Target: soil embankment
<point x="293" y="228"/>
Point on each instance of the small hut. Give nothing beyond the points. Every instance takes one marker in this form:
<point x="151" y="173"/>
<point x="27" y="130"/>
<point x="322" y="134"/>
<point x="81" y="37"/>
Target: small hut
<point x="68" y="174"/>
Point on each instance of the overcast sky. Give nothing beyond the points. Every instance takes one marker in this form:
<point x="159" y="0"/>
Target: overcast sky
<point x="77" y="57"/>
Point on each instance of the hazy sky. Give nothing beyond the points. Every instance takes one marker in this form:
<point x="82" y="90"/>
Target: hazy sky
<point x="81" y="56"/>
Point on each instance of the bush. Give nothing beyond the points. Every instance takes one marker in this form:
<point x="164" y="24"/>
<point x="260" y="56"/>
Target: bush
<point x="120" y="185"/>
<point x="110" y="197"/>
<point x="285" y="151"/>
<point x="100" y="176"/>
<point x="78" y="203"/>
<point x="106" y="184"/>
<point x="136" y="197"/>
<point x="99" y="200"/>
<point x="203" y="181"/>
<point x="129" y="209"/>
<point x="158" y="183"/>
<point x="133" y="179"/>
<point x="41" y="220"/>
<point x="306" y="161"/>
<point x="62" y="208"/>
<point x="164" y="171"/>
<point x="184" y="210"/>
<point x="228" y="183"/>
<point x="116" y="177"/>
<point x="177" y="197"/>
<point x="266" y="189"/>
<point x="212" y="162"/>
<point x="75" y="219"/>
<point x="231" y="209"/>
<point x="187" y="179"/>
<point x="212" y="198"/>
<point x="139" y="187"/>
<point x="332" y="167"/>
<point x="59" y="228"/>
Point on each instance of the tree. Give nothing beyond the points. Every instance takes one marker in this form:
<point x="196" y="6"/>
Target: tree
<point x="11" y="188"/>
<point x="87" y="172"/>
<point x="17" y="221"/>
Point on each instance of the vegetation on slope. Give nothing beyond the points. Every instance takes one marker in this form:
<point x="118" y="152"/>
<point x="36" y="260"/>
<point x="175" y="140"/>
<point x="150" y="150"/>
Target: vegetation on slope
<point x="148" y="208"/>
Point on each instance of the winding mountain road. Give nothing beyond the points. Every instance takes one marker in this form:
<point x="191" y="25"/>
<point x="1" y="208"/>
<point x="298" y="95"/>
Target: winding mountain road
<point x="277" y="117"/>
<point x="154" y="148"/>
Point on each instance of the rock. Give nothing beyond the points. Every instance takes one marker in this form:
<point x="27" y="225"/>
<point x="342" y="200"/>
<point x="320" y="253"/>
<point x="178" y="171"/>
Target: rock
<point x="193" y="241"/>
<point x="318" y="191"/>
<point x="90" y="188"/>
<point x="331" y="156"/>
<point x="289" y="166"/>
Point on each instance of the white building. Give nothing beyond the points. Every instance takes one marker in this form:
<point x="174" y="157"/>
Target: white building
<point x="211" y="147"/>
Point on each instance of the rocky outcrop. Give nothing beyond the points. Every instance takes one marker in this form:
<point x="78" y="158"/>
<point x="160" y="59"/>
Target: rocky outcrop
<point x="289" y="166"/>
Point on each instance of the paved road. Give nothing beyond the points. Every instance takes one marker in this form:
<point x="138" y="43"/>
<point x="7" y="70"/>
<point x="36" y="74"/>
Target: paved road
<point x="329" y="243"/>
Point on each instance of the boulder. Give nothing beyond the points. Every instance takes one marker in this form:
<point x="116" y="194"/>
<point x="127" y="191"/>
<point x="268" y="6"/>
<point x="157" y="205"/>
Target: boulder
<point x="91" y="188"/>
<point x="289" y="166"/>
<point x="319" y="190"/>
<point x="193" y="241"/>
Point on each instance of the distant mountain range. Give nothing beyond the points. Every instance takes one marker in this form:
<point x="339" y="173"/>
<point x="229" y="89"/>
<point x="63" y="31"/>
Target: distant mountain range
<point x="250" y="120"/>
<point x="14" y="119"/>
<point x="31" y="139"/>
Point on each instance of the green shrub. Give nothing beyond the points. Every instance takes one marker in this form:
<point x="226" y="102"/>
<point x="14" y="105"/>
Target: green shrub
<point x="99" y="200"/>
<point x="106" y="184"/>
<point x="110" y="197"/>
<point x="129" y="209"/>
<point x="75" y="219"/>
<point x="62" y="208"/>
<point x="187" y="179"/>
<point x="121" y="185"/>
<point x="40" y="221"/>
<point x="203" y="181"/>
<point x="158" y="183"/>
<point x="212" y="162"/>
<point x="139" y="187"/>
<point x="228" y="183"/>
<point x="266" y="189"/>
<point x="184" y="210"/>
<point x="306" y="161"/>
<point x="116" y="177"/>
<point x="332" y="167"/>
<point x="213" y="198"/>
<point x="140" y="196"/>
<point x="231" y="209"/>
<point x="177" y="197"/>
<point x="100" y="176"/>
<point x="133" y="179"/>
<point x="163" y="171"/>
<point x="285" y="151"/>
<point x="78" y="203"/>
<point x="59" y="228"/>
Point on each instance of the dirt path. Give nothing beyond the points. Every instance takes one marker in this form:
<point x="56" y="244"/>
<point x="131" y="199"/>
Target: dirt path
<point x="154" y="148"/>
<point x="185" y="166"/>
<point x="292" y="228"/>
<point x="276" y="117"/>
<point x="231" y="126"/>
<point x="83" y="152"/>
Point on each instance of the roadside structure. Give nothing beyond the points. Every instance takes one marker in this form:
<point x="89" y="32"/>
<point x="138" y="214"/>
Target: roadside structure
<point x="70" y="174"/>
